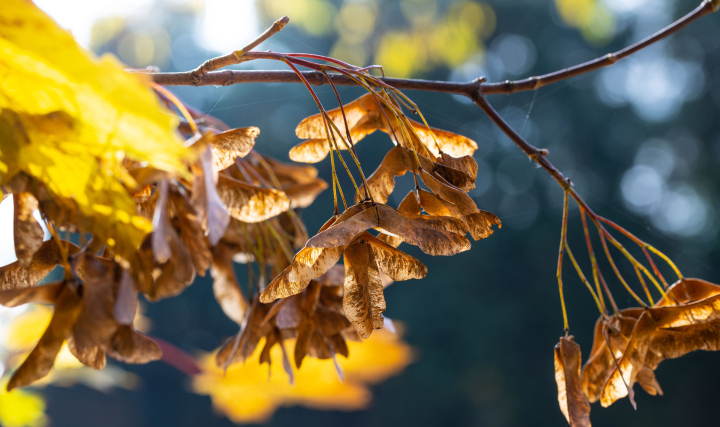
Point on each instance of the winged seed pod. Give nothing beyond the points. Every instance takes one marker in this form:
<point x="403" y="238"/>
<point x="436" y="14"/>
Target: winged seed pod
<point x="364" y="116"/>
<point x="448" y="199"/>
<point x="431" y="240"/>
<point x="573" y="403"/>
<point x="315" y="316"/>
<point x="88" y="319"/>
<point x="319" y="255"/>
<point x="229" y="145"/>
<point x="688" y="319"/>
<point x="47" y="257"/>
<point x="27" y="233"/>
<point x="609" y="343"/>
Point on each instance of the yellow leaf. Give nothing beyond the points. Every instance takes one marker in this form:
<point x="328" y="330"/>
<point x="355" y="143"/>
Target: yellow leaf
<point x="19" y="408"/>
<point x="69" y="119"/>
<point x="246" y="393"/>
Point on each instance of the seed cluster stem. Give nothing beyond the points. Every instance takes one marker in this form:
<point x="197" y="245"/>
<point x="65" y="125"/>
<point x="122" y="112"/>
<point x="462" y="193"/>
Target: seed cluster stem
<point x="336" y="72"/>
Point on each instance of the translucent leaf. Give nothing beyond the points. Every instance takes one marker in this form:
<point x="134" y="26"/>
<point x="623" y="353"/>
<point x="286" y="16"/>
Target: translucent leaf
<point x="68" y="120"/>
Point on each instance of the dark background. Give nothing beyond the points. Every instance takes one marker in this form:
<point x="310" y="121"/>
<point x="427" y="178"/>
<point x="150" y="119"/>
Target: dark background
<point x="484" y="322"/>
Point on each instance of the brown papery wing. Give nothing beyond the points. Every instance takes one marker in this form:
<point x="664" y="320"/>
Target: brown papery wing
<point x="382" y="182"/>
<point x="225" y="285"/>
<point x="363" y="302"/>
<point x="27" y="233"/>
<point x="429" y="239"/>
<point x="249" y="203"/>
<point x="356" y="112"/>
<point x="46" y="294"/>
<point x="42" y="357"/>
<point x="231" y="144"/>
<point x="395" y="263"/>
<point x="573" y="403"/>
<point x="15" y="276"/>
<point x="345" y="230"/>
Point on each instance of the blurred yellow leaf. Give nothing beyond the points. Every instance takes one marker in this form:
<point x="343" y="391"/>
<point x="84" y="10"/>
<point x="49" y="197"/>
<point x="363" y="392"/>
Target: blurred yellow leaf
<point x="249" y="393"/>
<point x="591" y="17"/>
<point x="26" y="329"/>
<point x="20" y="408"/>
<point x="69" y="119"/>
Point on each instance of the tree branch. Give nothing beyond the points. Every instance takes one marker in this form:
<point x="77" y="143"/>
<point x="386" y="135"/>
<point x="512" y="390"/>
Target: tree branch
<point x="315" y="78"/>
<point x="206" y="75"/>
<point x="235" y="56"/>
<point x="536" y="82"/>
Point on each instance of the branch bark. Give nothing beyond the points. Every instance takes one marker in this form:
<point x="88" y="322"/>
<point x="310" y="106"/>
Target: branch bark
<point x="206" y="75"/>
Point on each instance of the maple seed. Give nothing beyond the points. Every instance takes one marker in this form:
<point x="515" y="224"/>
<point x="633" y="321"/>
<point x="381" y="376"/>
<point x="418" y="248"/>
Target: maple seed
<point x="229" y="145"/>
<point x="666" y="332"/>
<point x="573" y="403"/>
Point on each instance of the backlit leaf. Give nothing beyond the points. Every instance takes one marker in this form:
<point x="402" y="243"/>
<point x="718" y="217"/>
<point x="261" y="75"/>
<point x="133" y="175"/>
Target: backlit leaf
<point x="250" y="393"/>
<point x="65" y="111"/>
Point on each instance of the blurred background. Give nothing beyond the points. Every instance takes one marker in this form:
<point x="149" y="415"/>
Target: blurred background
<point x="640" y="141"/>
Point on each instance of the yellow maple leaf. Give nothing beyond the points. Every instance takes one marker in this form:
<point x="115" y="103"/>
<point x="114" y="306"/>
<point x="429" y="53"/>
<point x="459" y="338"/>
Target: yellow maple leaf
<point x="69" y="119"/>
<point x="250" y="393"/>
<point x="21" y="408"/>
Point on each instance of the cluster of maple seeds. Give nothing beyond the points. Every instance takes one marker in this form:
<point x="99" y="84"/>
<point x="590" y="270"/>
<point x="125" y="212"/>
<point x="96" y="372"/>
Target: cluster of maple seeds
<point x="628" y="347"/>
<point x="243" y="207"/>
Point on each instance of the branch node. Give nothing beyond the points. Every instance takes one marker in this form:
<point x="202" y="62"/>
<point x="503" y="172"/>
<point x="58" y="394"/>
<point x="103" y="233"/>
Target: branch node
<point x="540" y="152"/>
<point x="475" y="86"/>
<point x="536" y="83"/>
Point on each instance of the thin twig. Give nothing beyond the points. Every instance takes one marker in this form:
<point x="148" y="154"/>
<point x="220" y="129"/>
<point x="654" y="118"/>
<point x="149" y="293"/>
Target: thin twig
<point x="597" y="274"/>
<point x="561" y="251"/>
<point x="235" y="56"/>
<point x="583" y="279"/>
<point x="536" y="82"/>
